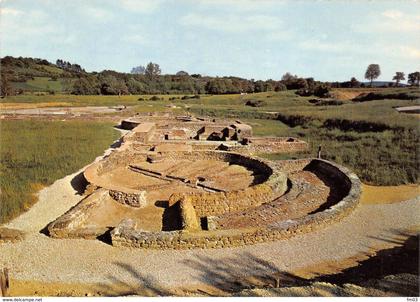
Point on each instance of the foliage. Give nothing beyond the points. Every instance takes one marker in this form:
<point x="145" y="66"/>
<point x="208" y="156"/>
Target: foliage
<point x="36" y="153"/>
<point x="372" y="72"/>
<point x="255" y="103"/>
<point x="414" y="78"/>
<point x="138" y="70"/>
<point x="399" y="76"/>
<point x="152" y="70"/>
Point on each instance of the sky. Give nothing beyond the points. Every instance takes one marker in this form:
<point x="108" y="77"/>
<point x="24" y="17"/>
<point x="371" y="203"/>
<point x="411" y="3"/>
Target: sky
<point x="328" y="40"/>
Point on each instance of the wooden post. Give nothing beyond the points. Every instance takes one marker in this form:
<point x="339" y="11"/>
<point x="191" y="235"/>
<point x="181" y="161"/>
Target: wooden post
<point x="4" y="282"/>
<point x="319" y="151"/>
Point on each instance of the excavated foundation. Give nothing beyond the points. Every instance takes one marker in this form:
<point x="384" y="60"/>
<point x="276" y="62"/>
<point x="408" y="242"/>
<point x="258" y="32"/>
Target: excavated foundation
<point x="194" y="183"/>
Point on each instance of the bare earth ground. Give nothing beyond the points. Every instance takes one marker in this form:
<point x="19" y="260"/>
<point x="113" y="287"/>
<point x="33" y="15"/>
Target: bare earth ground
<point x="17" y="106"/>
<point x="44" y="266"/>
<point x="32" y="109"/>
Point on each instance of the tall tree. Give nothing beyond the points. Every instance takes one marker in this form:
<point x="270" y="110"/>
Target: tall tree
<point x="372" y="72"/>
<point x="138" y="70"/>
<point x="288" y="76"/>
<point x="414" y="78"/>
<point x="399" y="76"/>
<point x="152" y="70"/>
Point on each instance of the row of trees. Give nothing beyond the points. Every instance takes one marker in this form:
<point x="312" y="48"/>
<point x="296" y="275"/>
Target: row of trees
<point x="69" y="66"/>
<point x="373" y="71"/>
<point x="149" y="79"/>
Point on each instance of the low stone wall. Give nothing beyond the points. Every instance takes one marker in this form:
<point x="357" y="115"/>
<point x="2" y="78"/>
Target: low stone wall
<point x="128" y="236"/>
<point x="137" y="200"/>
<point x="73" y="224"/>
<point x="277" y="145"/>
<point x="217" y="203"/>
<point x="292" y="165"/>
<point x="115" y="159"/>
<point x="210" y="204"/>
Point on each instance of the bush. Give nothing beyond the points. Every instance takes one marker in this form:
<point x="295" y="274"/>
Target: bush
<point x="140" y="99"/>
<point x="255" y="103"/>
<point x="304" y="92"/>
<point x="386" y="95"/>
<point x="280" y="87"/>
<point x="155" y="98"/>
<point x="322" y="91"/>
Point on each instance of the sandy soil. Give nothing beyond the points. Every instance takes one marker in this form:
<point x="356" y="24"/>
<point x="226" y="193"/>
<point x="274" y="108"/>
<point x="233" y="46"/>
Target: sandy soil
<point x="50" y="110"/>
<point x="388" y="194"/>
<point x="343" y="94"/>
<point x="16" y="106"/>
<point x="112" y="271"/>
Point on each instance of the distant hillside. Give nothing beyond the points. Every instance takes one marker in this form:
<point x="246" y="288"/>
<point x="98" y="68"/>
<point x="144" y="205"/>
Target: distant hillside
<point x="33" y="75"/>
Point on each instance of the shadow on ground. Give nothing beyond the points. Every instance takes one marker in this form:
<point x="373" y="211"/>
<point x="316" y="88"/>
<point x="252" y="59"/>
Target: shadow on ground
<point x="79" y="183"/>
<point x="379" y="271"/>
<point x="392" y="272"/>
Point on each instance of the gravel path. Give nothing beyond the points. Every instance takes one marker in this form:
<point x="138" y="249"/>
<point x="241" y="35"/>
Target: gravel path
<point x="44" y="259"/>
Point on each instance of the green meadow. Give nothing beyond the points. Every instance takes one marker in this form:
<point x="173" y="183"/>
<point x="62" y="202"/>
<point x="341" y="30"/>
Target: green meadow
<point x="34" y="154"/>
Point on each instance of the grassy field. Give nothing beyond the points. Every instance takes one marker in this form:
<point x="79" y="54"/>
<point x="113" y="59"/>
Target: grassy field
<point x="34" y="154"/>
<point x="40" y="84"/>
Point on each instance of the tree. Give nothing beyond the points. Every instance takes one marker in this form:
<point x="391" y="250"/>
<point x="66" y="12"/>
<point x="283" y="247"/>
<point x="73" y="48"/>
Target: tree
<point x="85" y="86"/>
<point x="372" y="72"/>
<point x="182" y="73"/>
<point x="287" y="77"/>
<point x="354" y="83"/>
<point x="138" y="70"/>
<point x="152" y="70"/>
<point x="399" y="76"/>
<point x="110" y="85"/>
<point x="414" y="78"/>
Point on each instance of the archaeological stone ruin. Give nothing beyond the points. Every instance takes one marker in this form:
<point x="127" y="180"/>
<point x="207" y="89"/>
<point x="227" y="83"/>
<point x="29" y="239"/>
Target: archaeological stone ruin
<point x="182" y="182"/>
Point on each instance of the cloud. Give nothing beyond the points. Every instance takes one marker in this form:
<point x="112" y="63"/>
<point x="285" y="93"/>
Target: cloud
<point x="411" y="51"/>
<point x="390" y="21"/>
<point x="99" y="14"/>
<point x="239" y="5"/>
<point x="140" y="6"/>
<point x="134" y="39"/>
<point x="393" y="14"/>
<point x="279" y="36"/>
<point x="7" y="11"/>
<point x="232" y="23"/>
<point x="17" y="24"/>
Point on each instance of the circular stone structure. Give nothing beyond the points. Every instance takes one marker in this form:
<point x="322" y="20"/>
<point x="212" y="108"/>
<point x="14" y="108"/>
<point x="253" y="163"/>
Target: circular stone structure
<point x="139" y="179"/>
<point x="172" y="196"/>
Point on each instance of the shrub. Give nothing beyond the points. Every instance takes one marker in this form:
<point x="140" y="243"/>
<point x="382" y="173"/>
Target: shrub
<point x="154" y="98"/>
<point x="386" y="95"/>
<point x="280" y="87"/>
<point x="255" y="103"/>
<point x="140" y="99"/>
<point x="322" y="91"/>
<point x="304" y="92"/>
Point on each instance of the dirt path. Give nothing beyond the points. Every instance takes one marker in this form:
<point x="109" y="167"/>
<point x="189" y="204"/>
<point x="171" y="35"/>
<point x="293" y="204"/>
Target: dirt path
<point x="388" y="194"/>
<point x="113" y="270"/>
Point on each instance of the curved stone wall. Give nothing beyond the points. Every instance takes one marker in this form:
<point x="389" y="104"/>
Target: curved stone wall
<point x="205" y="203"/>
<point x="128" y="236"/>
